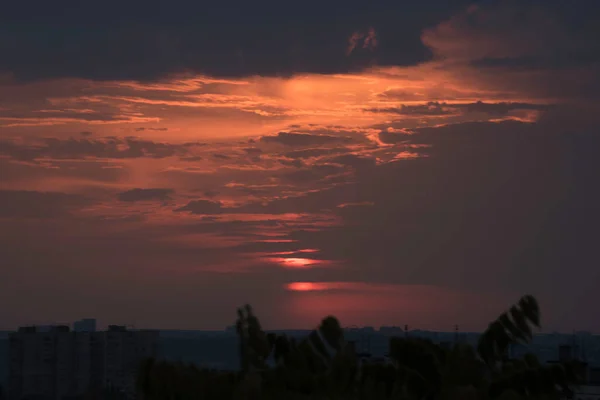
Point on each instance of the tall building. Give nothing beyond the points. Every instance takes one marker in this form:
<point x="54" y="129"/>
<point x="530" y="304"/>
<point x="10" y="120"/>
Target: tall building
<point x="58" y="363"/>
<point x="85" y="325"/>
<point x="40" y="363"/>
<point x="117" y="354"/>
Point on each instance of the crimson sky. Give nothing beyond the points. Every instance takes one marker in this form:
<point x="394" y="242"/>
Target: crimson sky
<point x="389" y="165"/>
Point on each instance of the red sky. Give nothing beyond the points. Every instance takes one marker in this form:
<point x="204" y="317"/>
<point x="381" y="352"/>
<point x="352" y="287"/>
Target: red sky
<point x="430" y="193"/>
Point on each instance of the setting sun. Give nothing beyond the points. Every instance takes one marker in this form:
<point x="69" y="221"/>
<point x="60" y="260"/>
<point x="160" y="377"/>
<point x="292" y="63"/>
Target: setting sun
<point x="294" y="262"/>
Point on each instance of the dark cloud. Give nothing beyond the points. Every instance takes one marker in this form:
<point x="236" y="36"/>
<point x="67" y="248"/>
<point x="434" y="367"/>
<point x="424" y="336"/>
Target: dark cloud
<point x="32" y="204"/>
<point x="291" y="163"/>
<point x="202" y="207"/>
<point x="211" y="193"/>
<point x="254" y="191"/>
<point x="191" y="158"/>
<point x="392" y="137"/>
<point x="151" y="129"/>
<point x="116" y="39"/>
<point x="528" y="63"/>
<point x="316" y="152"/>
<point x="302" y="176"/>
<point x="253" y="150"/>
<point x="138" y="194"/>
<point x="316" y="201"/>
<point x="501" y="108"/>
<point x="546" y="49"/>
<point x="117" y="148"/>
<point x="441" y="108"/>
<point x="304" y="139"/>
<point x="103" y="113"/>
<point x="511" y="29"/>
<point x="352" y="160"/>
<point x="18" y="172"/>
<point x="312" y="174"/>
<point x="431" y="108"/>
<point x="394" y="94"/>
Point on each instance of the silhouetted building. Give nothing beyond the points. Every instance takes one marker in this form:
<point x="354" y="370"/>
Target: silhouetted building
<point x="594" y="376"/>
<point x="58" y="363"/>
<point x="117" y="354"/>
<point x="565" y="353"/>
<point x="586" y="393"/>
<point x="85" y="325"/>
<point x="391" y="330"/>
<point x="41" y="363"/>
<point x="446" y="345"/>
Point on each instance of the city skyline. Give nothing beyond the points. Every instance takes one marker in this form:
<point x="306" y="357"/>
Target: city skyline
<point x="427" y="164"/>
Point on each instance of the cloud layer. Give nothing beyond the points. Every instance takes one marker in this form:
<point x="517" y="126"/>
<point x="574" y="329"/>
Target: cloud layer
<point x="452" y="156"/>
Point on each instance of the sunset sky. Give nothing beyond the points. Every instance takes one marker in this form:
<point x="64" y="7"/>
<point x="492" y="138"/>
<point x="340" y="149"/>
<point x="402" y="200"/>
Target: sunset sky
<point x="390" y="163"/>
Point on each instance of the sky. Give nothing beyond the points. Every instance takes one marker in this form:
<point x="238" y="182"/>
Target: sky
<point x="418" y="163"/>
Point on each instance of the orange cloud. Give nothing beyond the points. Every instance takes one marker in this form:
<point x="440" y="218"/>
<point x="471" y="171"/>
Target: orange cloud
<point x="187" y="108"/>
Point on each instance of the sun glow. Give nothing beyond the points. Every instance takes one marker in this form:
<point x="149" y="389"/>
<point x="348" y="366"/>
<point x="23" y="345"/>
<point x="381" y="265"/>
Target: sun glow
<point x="294" y="262"/>
<point x="326" y="286"/>
<point x="302" y="286"/>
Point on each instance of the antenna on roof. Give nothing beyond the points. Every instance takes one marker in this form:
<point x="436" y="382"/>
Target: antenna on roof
<point x="455" y="333"/>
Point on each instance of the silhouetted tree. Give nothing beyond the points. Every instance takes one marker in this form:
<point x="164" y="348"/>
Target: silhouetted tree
<point x="526" y="377"/>
<point x="511" y="327"/>
<point x="324" y="366"/>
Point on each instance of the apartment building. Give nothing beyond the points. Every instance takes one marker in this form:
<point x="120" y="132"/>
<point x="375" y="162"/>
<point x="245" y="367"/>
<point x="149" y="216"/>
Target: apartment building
<point x="56" y="363"/>
<point x="117" y="354"/>
<point x="85" y="325"/>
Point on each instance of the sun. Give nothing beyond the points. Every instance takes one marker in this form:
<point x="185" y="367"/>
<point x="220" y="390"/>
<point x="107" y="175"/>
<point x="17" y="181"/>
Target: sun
<point x="301" y="286"/>
<point x="293" y="262"/>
